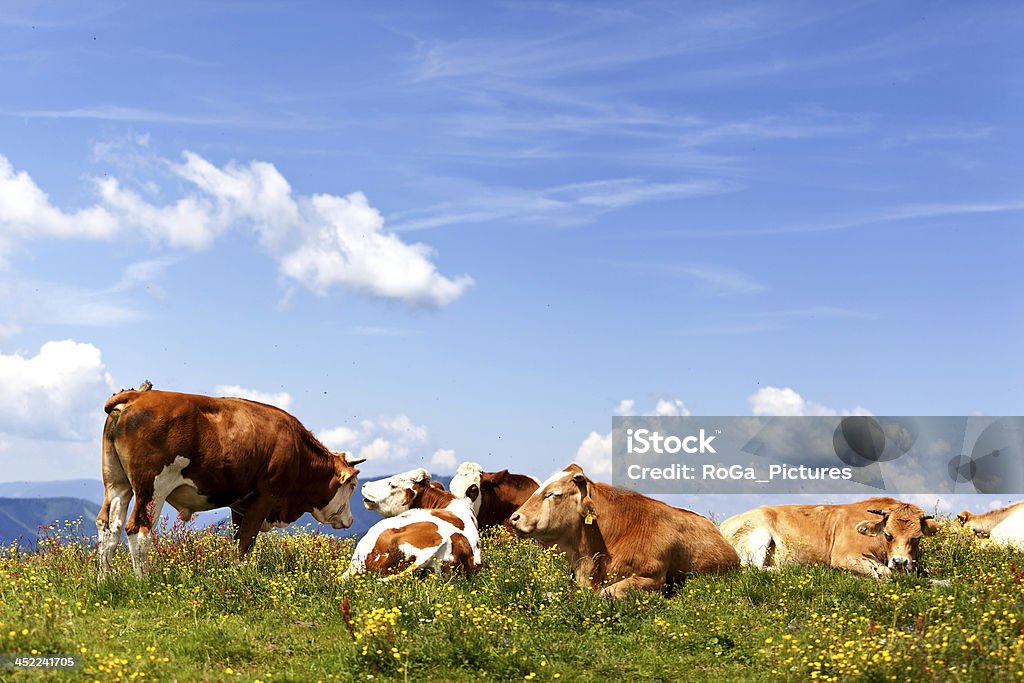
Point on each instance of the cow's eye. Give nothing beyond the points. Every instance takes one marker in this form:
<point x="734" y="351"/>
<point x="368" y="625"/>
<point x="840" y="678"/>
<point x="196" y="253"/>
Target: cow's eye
<point x="552" y="494"/>
<point x="888" y="536"/>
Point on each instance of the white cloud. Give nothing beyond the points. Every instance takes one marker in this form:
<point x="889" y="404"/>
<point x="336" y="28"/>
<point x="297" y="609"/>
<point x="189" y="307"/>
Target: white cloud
<point x="25" y="211"/>
<point x="626" y="408"/>
<point x="773" y="401"/>
<point x="56" y="394"/>
<point x="320" y="241"/>
<point x="595" y="454"/>
<point x="282" y="400"/>
<point x="443" y="460"/>
<point x="670" y="408"/>
<point x="385" y="442"/>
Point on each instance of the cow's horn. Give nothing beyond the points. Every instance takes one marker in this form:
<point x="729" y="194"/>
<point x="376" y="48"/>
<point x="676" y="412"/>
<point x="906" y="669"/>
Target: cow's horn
<point x="357" y="461"/>
<point x="878" y="512"/>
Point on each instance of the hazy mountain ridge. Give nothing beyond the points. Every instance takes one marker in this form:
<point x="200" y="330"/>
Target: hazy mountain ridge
<point x="27" y="505"/>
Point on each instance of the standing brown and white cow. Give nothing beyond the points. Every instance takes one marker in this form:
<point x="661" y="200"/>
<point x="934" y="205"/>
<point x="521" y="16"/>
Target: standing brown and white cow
<point x="493" y="495"/>
<point x="874" y="537"/>
<point x="616" y="539"/>
<point x="200" y="453"/>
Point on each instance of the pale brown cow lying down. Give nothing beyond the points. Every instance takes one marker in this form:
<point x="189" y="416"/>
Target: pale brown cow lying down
<point x="494" y="495"/>
<point x="616" y="540"/>
<point x="199" y="453"/>
<point x="426" y="527"/>
<point x="874" y="537"/>
<point x="1005" y="526"/>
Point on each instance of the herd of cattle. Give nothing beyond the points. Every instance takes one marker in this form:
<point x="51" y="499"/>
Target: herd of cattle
<point x="199" y="453"/>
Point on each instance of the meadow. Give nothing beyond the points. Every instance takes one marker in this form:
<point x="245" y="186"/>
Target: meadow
<point x="284" y="615"/>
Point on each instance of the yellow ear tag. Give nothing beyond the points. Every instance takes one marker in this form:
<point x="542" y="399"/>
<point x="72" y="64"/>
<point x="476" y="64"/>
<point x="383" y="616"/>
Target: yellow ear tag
<point x="589" y="519"/>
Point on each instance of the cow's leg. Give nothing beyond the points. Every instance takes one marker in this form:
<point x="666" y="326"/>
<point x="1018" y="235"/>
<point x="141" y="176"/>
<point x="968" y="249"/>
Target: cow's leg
<point x="251" y="522"/>
<point x="139" y="528"/>
<point x="866" y="566"/>
<point x="619" y="588"/>
<point x="117" y="494"/>
<point x="110" y="522"/>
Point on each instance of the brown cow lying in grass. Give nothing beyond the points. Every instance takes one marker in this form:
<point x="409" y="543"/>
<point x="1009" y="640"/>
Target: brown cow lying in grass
<point x="874" y="537"/>
<point x="616" y="540"/>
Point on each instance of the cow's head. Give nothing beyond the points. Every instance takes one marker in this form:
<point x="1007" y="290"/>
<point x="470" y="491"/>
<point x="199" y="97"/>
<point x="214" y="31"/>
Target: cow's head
<point x="396" y="494"/>
<point x="967" y="521"/>
<point x="558" y="509"/>
<point x="901" y="528"/>
<point x="466" y="484"/>
<point x="337" y="512"/>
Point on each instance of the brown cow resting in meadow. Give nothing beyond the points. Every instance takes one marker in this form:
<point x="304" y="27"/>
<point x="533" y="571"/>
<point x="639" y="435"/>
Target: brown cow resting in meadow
<point x="1004" y="526"/>
<point x="874" y="537"/>
<point x="616" y="540"/>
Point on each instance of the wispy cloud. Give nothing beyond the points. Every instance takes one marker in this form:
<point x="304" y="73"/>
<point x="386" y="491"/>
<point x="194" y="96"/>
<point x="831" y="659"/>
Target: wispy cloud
<point x="717" y="278"/>
<point x="125" y="114"/>
<point x="889" y="215"/>
<point x="560" y="205"/>
<point x="382" y="331"/>
<point x="831" y="312"/>
<point x="931" y="134"/>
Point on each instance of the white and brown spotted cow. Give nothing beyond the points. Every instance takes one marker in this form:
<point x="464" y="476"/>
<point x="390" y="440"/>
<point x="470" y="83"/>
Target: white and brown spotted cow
<point x="426" y="527"/>
<point x="199" y="453"/>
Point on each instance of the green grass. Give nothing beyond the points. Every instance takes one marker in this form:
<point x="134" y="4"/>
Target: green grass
<point x="283" y="615"/>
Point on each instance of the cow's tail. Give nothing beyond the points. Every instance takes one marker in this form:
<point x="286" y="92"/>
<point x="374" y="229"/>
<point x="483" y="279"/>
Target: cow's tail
<point x="122" y="398"/>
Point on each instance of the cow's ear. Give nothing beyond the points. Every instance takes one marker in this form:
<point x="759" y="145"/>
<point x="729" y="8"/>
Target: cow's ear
<point x="871" y="527"/>
<point x="963" y="517"/>
<point x="587" y="511"/>
<point x="928" y="525"/>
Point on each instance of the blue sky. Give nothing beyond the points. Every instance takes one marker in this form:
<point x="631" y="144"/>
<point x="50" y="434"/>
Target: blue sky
<point x="450" y="232"/>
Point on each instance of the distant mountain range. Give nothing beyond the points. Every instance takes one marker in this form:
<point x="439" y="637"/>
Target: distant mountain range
<point x="27" y="505"/>
<point x="21" y="518"/>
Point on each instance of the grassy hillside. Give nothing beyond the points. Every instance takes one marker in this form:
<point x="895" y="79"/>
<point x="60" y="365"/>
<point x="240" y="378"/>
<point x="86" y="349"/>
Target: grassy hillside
<point x="283" y="615"/>
<point x="21" y="518"/>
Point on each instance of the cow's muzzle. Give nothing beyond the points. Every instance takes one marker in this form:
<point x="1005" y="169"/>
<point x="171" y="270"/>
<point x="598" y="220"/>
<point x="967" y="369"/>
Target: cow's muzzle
<point x="898" y="563"/>
<point x="518" y="524"/>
